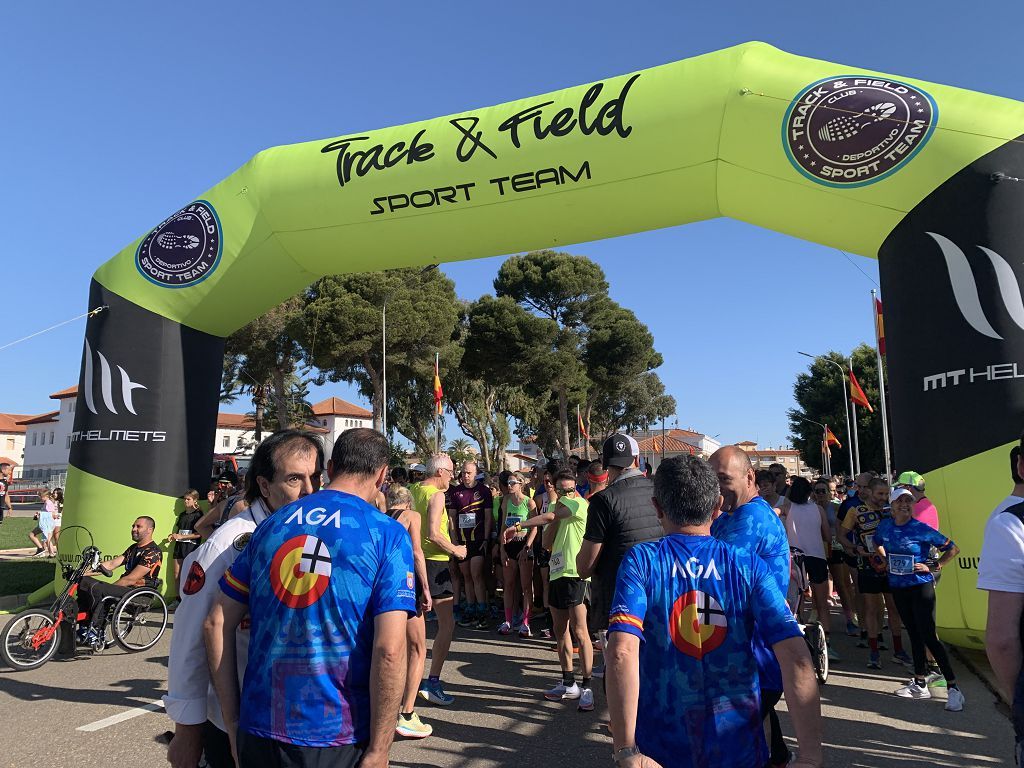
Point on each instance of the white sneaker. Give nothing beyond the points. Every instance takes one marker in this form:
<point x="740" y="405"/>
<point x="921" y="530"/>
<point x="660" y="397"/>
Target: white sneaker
<point x="955" y="702"/>
<point x="561" y="692"/>
<point x="913" y="691"/>
<point x="586" y="700"/>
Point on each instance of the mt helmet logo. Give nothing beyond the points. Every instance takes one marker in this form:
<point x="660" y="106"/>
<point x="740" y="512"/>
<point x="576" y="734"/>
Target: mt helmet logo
<point x="855" y="130"/>
<point x="965" y="288"/>
<point x="184" y="249"/>
<point x="107" y="385"/>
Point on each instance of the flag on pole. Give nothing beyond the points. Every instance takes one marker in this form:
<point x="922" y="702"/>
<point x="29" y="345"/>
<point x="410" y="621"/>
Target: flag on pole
<point x="879" y="327"/>
<point x="857" y="394"/>
<point x="438" y="392"/>
<point x="825" y="450"/>
<point x="831" y="439"/>
<point x="579" y="419"/>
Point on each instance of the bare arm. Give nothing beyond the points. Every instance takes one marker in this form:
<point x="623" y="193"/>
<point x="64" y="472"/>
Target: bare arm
<point x="419" y="561"/>
<point x="205" y="525"/>
<point x="802" y="697"/>
<point x="1002" y="638"/>
<point x="387" y="684"/>
<point x="434" y="536"/>
<point x="219" y="629"/>
<point x="134" y="577"/>
<point x="587" y="558"/>
<point x="622" y="676"/>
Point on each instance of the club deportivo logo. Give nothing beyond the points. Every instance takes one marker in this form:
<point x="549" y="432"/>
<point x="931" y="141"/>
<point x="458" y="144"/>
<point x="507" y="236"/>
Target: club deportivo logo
<point x="965" y="288"/>
<point x="195" y="580"/>
<point x="698" y="624"/>
<point x="241" y="540"/>
<point x="301" y="571"/>
<point x="184" y="249"/>
<point x="855" y="130"/>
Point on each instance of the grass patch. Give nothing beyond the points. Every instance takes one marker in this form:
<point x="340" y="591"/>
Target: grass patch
<point x="14" y="533"/>
<point x="19" y="577"/>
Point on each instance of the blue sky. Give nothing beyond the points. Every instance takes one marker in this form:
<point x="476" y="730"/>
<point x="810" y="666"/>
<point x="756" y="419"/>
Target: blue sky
<point x="115" y="114"/>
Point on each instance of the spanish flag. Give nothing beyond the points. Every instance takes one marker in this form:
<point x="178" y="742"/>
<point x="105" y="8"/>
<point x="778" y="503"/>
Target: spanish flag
<point x="879" y="327"/>
<point x="831" y="439"/>
<point x="579" y="421"/>
<point x="857" y="394"/>
<point x="438" y="392"/>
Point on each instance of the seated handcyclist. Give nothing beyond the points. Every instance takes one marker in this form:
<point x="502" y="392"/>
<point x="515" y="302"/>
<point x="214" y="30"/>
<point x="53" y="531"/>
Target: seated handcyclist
<point x="141" y="563"/>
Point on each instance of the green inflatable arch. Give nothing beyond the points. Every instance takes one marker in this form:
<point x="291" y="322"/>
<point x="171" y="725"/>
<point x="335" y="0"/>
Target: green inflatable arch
<point x="923" y="176"/>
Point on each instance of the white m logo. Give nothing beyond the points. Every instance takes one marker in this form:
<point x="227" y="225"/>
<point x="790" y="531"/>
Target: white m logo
<point x="106" y="384"/>
<point x="965" y="289"/>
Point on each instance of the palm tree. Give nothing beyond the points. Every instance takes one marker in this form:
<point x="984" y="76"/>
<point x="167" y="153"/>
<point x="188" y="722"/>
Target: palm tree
<point x="460" y="451"/>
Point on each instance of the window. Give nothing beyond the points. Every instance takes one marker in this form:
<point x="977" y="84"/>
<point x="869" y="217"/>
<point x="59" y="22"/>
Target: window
<point x="34" y="436"/>
<point x="68" y="445"/>
<point x="225" y="442"/>
<point x="10" y="443"/>
<point x="51" y="438"/>
<point x="71" y="406"/>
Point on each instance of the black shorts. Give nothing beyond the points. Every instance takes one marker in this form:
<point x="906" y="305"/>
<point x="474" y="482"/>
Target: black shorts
<point x="541" y="555"/>
<point x="567" y="592"/>
<point x="600" y="605"/>
<point x="871" y="582"/>
<point x="817" y="570"/>
<point x="513" y="548"/>
<point x="836" y="557"/>
<point x="439" y="579"/>
<point x="476" y="548"/>
<point x="256" y="751"/>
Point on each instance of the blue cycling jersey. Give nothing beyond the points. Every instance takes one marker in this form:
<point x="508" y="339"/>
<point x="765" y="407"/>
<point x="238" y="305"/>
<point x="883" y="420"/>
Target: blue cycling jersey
<point x="906" y="545"/>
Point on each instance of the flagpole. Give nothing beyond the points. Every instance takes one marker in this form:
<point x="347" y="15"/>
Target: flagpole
<point x="579" y="424"/>
<point x="437" y="406"/>
<point x="856" y="444"/>
<point x="881" y="389"/>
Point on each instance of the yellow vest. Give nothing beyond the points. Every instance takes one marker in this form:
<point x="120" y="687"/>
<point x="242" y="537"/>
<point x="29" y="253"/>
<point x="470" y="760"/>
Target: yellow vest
<point x="421" y="497"/>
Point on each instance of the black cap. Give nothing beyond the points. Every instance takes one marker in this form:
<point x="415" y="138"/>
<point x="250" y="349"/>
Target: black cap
<point x="619" y="450"/>
<point x="227" y="476"/>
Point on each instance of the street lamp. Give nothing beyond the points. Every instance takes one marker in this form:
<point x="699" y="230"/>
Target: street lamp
<point x="384" y="353"/>
<point x="826" y="464"/>
<point x="846" y="402"/>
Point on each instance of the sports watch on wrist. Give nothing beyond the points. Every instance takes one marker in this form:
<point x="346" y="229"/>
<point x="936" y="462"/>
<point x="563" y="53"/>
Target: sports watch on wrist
<point x="625" y="753"/>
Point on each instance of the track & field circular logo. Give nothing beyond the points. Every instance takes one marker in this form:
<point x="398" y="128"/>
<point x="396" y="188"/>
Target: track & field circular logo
<point x="184" y="249"/>
<point x="854" y="130"/>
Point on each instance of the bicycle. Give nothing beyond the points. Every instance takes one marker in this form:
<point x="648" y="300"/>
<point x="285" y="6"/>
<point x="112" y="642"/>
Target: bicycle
<point x="135" y="621"/>
<point x="814" y="633"/>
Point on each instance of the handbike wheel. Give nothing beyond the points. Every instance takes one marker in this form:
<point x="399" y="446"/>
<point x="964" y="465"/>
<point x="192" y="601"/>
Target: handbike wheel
<point x="819" y="648"/>
<point x="29" y="640"/>
<point x="140" y="618"/>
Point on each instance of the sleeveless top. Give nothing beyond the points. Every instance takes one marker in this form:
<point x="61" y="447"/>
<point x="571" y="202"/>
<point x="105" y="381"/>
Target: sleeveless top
<point x="517" y="513"/>
<point x="424" y="493"/>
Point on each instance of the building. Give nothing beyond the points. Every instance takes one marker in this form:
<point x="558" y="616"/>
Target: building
<point x="787" y="457"/>
<point x="48" y="439"/>
<point x="656" y="445"/>
<point x="12" y="441"/>
<point x="336" y="416"/>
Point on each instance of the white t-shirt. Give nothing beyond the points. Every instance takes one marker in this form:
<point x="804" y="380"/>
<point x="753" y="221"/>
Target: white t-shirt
<point x="806" y="521"/>
<point x="1001" y="567"/>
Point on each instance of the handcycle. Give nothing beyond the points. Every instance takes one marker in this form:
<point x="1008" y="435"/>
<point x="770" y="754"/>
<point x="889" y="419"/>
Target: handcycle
<point x="814" y="633"/>
<point x="134" y="621"/>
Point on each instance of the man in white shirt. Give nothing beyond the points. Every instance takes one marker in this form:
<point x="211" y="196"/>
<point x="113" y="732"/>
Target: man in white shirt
<point x="1001" y="574"/>
<point x="285" y="467"/>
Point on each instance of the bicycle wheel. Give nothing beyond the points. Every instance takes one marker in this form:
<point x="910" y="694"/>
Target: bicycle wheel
<point x="29" y="640"/>
<point x="815" y="637"/>
<point x="140" y="618"/>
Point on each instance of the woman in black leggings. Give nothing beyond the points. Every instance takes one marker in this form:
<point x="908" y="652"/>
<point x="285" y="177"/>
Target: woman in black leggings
<point x="906" y="543"/>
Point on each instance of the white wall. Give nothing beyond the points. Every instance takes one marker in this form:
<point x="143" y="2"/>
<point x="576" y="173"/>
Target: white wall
<point x="12" y="445"/>
<point x="52" y="443"/>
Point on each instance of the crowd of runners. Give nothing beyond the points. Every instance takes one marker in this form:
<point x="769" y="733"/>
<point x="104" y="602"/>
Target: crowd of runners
<point x="677" y="590"/>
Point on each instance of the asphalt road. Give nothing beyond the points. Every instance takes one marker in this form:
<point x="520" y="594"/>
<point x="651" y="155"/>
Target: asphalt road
<point x="499" y="717"/>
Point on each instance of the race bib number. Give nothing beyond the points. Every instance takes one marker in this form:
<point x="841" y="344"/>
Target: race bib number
<point x="512" y="522"/>
<point x="869" y="542"/>
<point x="557" y="563"/>
<point x="901" y="565"/>
<point x="467" y="520"/>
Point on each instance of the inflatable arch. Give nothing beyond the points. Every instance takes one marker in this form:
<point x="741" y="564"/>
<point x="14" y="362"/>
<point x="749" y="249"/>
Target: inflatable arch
<point x="926" y="177"/>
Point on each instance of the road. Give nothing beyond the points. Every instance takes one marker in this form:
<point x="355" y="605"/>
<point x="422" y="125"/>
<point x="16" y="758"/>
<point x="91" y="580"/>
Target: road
<point x="499" y="717"/>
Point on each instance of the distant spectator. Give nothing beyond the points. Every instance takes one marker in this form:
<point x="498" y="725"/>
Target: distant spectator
<point x="185" y="537"/>
<point x="5" y="483"/>
<point x="924" y="510"/>
<point x="44" y="527"/>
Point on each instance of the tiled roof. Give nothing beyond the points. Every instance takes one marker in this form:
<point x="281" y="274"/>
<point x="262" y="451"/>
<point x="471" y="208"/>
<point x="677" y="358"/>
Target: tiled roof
<point x="43" y="418"/>
<point x="747" y="442"/>
<point x="9" y="422"/>
<point x="235" y="421"/>
<point x="65" y="393"/>
<point x="5" y="460"/>
<point x="775" y="452"/>
<point x="671" y="444"/>
<point x="335" y="406"/>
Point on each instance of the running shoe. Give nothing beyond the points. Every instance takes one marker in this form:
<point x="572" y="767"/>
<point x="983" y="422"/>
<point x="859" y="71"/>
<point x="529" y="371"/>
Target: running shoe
<point x="586" y="700"/>
<point x="505" y="628"/>
<point x="467" y="620"/>
<point x="598" y="672"/>
<point x="524" y="631"/>
<point x="851" y="629"/>
<point x="482" y="623"/>
<point x="563" y="692"/>
<point x="413" y="727"/>
<point x="833" y="657"/>
<point x="914" y="691"/>
<point x="546" y="634"/>
<point x="874" y="662"/>
<point x="881" y="645"/>
<point x="903" y="658"/>
<point x="955" y="702"/>
<point x="435" y="694"/>
<point x="935" y="680"/>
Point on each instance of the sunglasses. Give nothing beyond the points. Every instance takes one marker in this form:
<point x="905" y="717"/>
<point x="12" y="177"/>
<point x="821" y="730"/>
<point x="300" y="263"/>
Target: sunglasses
<point x="512" y="482"/>
<point x="565" y="491"/>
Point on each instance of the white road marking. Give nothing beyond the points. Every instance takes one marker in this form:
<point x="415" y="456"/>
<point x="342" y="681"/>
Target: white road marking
<point x="115" y="719"/>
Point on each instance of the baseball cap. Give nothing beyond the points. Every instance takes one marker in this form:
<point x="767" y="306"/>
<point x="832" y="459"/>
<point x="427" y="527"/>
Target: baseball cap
<point x="911" y="478"/>
<point x="619" y="450"/>
<point x="228" y="477"/>
<point x="418" y="468"/>
<point x="897" y="492"/>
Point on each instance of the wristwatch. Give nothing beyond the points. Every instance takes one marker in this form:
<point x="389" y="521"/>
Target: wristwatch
<point x="625" y="753"/>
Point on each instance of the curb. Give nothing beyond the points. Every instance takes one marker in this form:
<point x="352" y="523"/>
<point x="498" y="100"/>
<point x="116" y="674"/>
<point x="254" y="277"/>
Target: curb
<point x="977" y="664"/>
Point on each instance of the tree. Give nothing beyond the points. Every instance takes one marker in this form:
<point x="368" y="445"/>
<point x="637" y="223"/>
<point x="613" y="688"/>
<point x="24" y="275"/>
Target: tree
<point x="343" y="332"/>
<point x="636" y="406"/>
<point x="460" y="451"/>
<point x="819" y="396"/>
<point x="263" y="358"/>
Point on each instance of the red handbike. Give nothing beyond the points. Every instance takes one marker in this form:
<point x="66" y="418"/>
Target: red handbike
<point x="136" y="621"/>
